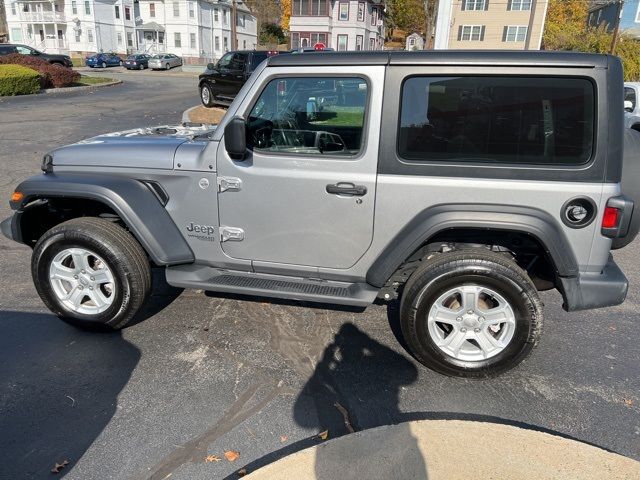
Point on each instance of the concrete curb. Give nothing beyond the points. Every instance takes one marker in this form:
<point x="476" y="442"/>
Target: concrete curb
<point x="185" y="114"/>
<point x="451" y="450"/>
<point x="53" y="91"/>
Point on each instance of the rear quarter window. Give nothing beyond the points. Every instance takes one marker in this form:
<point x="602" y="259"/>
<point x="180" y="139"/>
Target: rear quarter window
<point x="489" y="119"/>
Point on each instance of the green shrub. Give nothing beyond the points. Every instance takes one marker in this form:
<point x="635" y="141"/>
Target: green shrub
<point x="51" y="75"/>
<point x="18" y="80"/>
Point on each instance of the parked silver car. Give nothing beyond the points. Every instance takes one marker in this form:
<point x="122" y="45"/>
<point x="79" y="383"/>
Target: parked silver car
<point x="631" y="106"/>
<point x="164" y="61"/>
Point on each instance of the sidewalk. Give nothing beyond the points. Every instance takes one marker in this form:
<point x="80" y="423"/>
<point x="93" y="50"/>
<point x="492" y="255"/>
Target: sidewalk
<point x="451" y="450"/>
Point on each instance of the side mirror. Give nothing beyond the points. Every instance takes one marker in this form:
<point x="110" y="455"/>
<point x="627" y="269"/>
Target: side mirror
<point x="235" y="139"/>
<point x="211" y="66"/>
<point x="628" y="106"/>
<point x="35" y="52"/>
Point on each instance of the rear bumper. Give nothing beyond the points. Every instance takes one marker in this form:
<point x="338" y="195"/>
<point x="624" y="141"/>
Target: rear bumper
<point x="595" y="290"/>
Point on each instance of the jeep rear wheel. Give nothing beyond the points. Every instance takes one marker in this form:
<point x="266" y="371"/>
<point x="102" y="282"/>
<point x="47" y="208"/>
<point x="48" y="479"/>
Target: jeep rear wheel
<point x="472" y="313"/>
<point x="206" y="95"/>
<point x="90" y="271"/>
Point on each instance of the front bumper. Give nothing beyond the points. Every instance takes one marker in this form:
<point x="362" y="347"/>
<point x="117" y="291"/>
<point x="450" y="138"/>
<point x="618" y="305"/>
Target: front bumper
<point x="595" y="290"/>
<point x="9" y="228"/>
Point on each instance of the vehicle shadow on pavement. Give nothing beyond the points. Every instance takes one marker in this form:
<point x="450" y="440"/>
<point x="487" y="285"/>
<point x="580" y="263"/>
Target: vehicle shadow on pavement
<point x="58" y="390"/>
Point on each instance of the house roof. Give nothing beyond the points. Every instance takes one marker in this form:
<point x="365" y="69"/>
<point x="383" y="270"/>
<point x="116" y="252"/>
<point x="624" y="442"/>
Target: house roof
<point x="151" y="26"/>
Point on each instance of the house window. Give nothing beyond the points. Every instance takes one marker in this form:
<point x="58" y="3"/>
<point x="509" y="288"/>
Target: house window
<point x="127" y="13"/>
<point x="412" y="42"/>
<point x="77" y="37"/>
<point x="217" y="44"/>
<point x="90" y="35"/>
<point x="244" y="44"/>
<point x="515" y="33"/>
<point x="295" y="40"/>
<point x="117" y="7"/>
<point x="87" y="8"/>
<point x="374" y="16"/>
<point x="359" y="40"/>
<point x="225" y="42"/>
<point x="240" y="21"/>
<point x="177" y="41"/>
<point x="74" y="7"/>
<point x="372" y="43"/>
<point x="13" y="8"/>
<point x="152" y="10"/>
<point x="520" y="5"/>
<point x="119" y="38"/>
<point x="130" y="39"/>
<point x="474" y="5"/>
<point x="471" y="33"/>
<point x="344" y="11"/>
<point x="215" y="15"/>
<point x="343" y="40"/>
<point x="225" y="20"/>
<point x="192" y="40"/>
<point x="176" y="9"/>
<point x="318" y="38"/>
<point x="192" y="11"/>
<point x="361" y="10"/>
<point x="318" y="7"/>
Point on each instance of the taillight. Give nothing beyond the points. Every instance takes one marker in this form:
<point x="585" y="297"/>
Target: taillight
<point x="610" y="217"/>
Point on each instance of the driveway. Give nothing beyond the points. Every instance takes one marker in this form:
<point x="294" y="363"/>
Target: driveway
<point x="203" y="374"/>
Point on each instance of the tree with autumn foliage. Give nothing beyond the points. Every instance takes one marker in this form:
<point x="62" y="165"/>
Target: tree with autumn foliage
<point x="285" y="6"/>
<point x="566" y="29"/>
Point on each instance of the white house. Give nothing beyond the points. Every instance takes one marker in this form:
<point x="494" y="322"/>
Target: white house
<point x="414" y="42"/>
<point x="341" y="25"/>
<point x="68" y="26"/>
<point x="198" y="30"/>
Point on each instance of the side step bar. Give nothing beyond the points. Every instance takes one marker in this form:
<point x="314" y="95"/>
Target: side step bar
<point x="266" y="285"/>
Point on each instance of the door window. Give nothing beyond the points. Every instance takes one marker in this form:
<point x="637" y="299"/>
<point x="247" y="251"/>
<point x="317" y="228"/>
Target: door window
<point x="630" y="96"/>
<point x="309" y="116"/>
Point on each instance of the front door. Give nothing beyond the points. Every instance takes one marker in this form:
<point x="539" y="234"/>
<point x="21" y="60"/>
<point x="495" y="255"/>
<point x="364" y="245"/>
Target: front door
<point x="308" y="182"/>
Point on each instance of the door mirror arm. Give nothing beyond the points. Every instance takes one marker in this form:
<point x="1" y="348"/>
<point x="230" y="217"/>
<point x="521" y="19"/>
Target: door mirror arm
<point x="235" y="139"/>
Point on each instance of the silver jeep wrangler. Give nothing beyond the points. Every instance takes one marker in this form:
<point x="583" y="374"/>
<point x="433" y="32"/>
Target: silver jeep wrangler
<point x="460" y="183"/>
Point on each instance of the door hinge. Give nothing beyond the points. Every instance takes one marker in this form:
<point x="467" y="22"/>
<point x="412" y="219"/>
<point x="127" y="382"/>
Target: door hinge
<point x="233" y="234"/>
<point x="229" y="183"/>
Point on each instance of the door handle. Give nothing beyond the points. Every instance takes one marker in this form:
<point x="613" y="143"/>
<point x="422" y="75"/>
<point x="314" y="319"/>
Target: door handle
<point x="344" y="188"/>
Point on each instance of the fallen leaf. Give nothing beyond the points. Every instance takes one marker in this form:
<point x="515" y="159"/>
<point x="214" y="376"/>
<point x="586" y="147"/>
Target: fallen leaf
<point x="612" y="328"/>
<point x="628" y="402"/>
<point x="323" y="435"/>
<point x="59" y="466"/>
<point x="231" y="455"/>
<point x="211" y="458"/>
<point x="283" y="438"/>
<point x="242" y="472"/>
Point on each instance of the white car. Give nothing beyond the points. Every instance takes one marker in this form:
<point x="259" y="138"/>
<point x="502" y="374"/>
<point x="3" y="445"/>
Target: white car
<point x="164" y="61"/>
<point x="631" y="107"/>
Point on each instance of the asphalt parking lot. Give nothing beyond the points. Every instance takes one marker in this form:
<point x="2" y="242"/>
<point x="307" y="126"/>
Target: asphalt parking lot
<point x="203" y="373"/>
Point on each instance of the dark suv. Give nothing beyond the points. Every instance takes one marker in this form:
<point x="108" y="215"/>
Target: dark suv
<point x="52" y="58"/>
<point x="220" y="82"/>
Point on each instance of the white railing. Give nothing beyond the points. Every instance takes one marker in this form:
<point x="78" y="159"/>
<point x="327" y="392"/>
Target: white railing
<point x="151" y="48"/>
<point x="50" y="45"/>
<point x="40" y="17"/>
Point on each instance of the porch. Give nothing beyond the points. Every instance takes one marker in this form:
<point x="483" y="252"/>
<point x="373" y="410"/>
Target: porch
<point x="150" y="37"/>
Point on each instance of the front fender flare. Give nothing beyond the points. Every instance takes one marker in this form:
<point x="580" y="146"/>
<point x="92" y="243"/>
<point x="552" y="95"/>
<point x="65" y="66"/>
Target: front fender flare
<point x="134" y="203"/>
<point x="431" y="221"/>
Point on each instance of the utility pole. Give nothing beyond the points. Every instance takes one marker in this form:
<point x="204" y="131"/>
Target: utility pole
<point x="234" y="24"/>
<point x="616" y="30"/>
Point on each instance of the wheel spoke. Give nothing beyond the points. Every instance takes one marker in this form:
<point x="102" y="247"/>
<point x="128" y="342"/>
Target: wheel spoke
<point x="445" y="315"/>
<point x="101" y="277"/>
<point x="80" y="259"/>
<point x="486" y="341"/>
<point x="98" y="298"/>
<point x="75" y="297"/>
<point x="453" y="342"/>
<point x="500" y="314"/>
<point x="60" y="272"/>
<point x="469" y="298"/>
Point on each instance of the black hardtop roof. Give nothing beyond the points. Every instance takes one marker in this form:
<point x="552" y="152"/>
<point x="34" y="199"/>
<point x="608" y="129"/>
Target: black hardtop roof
<point x="444" y="57"/>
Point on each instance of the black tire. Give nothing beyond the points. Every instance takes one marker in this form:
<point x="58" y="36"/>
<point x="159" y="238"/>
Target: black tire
<point x="445" y="271"/>
<point x="167" y="66"/>
<point x="140" y="67"/>
<point x="121" y="252"/>
<point x="210" y="101"/>
<point x="103" y="65"/>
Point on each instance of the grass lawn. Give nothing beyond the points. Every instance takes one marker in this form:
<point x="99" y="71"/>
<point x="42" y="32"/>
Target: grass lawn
<point x="341" y="117"/>
<point x="89" y="80"/>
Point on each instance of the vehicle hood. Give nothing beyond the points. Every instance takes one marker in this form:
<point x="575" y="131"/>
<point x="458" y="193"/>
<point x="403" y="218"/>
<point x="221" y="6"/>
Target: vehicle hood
<point x="153" y="147"/>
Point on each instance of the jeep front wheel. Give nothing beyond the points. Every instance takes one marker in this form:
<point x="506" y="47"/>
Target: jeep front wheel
<point x="90" y="271"/>
<point x="470" y="313"/>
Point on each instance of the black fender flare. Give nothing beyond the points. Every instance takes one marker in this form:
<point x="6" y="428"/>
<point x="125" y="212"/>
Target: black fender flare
<point x="132" y="200"/>
<point x="431" y="221"/>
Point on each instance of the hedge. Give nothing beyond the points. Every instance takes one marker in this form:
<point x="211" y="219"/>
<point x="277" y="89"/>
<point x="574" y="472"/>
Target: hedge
<point x="50" y="75"/>
<point x="18" y="80"/>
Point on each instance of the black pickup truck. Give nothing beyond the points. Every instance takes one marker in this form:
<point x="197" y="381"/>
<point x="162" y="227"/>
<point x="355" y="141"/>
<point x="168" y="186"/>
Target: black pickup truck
<point x="221" y="81"/>
<point x="52" y="58"/>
